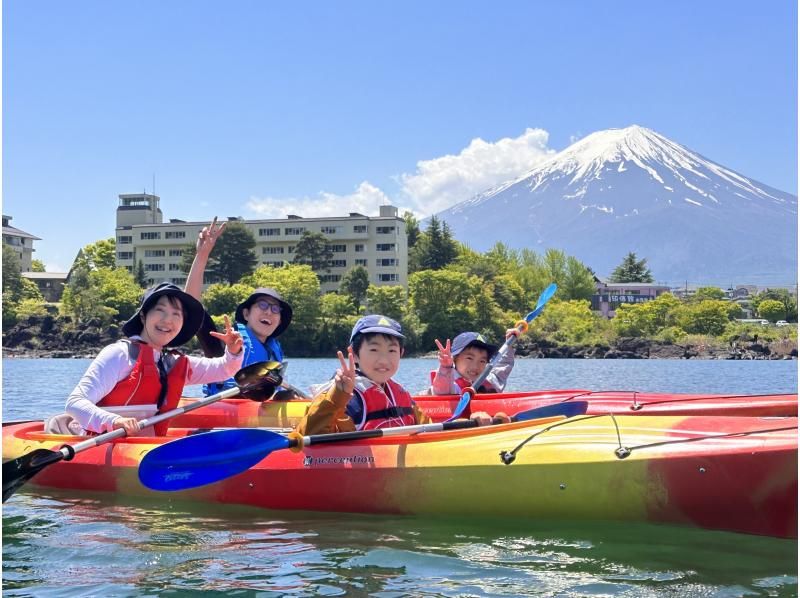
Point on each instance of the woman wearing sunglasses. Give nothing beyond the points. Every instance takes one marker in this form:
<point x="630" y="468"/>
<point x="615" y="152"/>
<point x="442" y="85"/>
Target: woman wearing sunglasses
<point x="260" y="318"/>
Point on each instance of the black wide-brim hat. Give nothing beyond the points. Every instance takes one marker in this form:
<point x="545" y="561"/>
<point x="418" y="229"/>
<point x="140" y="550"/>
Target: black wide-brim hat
<point x="192" y="312"/>
<point x="286" y="309"/>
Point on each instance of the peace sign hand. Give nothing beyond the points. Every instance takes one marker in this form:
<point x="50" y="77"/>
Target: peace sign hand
<point x="231" y="338"/>
<point x="208" y="236"/>
<point x="345" y="379"/>
<point x="445" y="356"/>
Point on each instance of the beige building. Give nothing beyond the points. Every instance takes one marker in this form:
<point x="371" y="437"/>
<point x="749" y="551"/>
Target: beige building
<point x="376" y="242"/>
<point x="19" y="241"/>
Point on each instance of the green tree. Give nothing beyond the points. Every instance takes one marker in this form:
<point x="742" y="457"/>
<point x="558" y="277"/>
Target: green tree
<point x="704" y="293"/>
<point x="355" y="284"/>
<point x="100" y="254"/>
<point x="632" y="270"/>
<point x="705" y="317"/>
<point x="141" y="275"/>
<point x="578" y="281"/>
<point x="337" y="320"/>
<point x="386" y="300"/>
<point x="440" y="299"/>
<point x="221" y="299"/>
<point x="37" y="266"/>
<point x="568" y="322"/>
<point x="788" y="300"/>
<point x="12" y="275"/>
<point x="772" y="310"/>
<point x="412" y="229"/>
<point x="647" y="319"/>
<point x="117" y="290"/>
<point x="234" y="253"/>
<point x="434" y="249"/>
<point x="313" y="249"/>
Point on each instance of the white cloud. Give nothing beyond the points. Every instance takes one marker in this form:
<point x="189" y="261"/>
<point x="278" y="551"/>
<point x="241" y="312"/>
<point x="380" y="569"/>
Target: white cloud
<point x="365" y="199"/>
<point x="436" y="185"/>
<point x="442" y="182"/>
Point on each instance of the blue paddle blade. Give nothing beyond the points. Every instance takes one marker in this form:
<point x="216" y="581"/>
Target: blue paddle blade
<point x="547" y="294"/>
<point x="570" y="409"/>
<point x="206" y="458"/>
<point x="462" y="404"/>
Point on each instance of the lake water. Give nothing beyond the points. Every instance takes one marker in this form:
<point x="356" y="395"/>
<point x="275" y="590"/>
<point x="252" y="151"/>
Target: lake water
<point x="78" y="544"/>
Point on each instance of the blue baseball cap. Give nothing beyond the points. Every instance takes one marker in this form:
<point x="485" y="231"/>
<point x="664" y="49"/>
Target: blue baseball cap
<point x="377" y="323"/>
<point x="471" y="339"/>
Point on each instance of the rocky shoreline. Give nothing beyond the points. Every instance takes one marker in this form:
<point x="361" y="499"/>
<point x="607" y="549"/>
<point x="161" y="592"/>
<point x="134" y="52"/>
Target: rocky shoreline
<point x="45" y="337"/>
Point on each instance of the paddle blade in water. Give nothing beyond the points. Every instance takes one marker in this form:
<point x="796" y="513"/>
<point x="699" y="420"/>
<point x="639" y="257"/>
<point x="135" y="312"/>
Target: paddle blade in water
<point x="206" y="458"/>
<point x="570" y="409"/>
<point x="18" y="471"/>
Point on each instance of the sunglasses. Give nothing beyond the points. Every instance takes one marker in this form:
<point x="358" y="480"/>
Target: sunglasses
<point x="267" y="306"/>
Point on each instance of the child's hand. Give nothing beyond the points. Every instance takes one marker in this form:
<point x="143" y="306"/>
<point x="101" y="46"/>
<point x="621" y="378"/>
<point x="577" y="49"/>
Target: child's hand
<point x="208" y="237"/>
<point x="231" y="338"/>
<point x="129" y="424"/>
<point x="445" y="357"/>
<point x="483" y="418"/>
<point x="345" y="379"/>
<point x="512" y="332"/>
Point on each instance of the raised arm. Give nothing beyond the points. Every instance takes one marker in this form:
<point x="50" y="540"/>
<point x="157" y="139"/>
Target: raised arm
<point x="206" y="240"/>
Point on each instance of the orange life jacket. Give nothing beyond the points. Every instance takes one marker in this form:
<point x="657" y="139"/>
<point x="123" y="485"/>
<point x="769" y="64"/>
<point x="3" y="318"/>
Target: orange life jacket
<point x="143" y="385"/>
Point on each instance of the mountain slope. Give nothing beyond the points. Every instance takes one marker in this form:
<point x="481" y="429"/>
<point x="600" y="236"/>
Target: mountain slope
<point x="632" y="189"/>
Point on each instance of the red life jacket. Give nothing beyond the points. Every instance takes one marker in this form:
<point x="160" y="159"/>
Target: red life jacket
<point x="387" y="408"/>
<point x="143" y="385"/>
<point x="462" y="383"/>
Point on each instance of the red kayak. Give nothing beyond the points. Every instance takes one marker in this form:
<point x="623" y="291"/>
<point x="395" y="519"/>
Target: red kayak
<point x="245" y="413"/>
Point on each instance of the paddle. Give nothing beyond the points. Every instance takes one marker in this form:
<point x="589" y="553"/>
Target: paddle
<point x="522" y="326"/>
<point x="206" y="458"/>
<point x="256" y="380"/>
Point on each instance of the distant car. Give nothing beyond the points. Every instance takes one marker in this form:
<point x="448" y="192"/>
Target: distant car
<point x="781" y="323"/>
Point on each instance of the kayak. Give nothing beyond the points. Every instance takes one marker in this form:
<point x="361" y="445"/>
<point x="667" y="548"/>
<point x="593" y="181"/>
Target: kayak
<point x="245" y="413"/>
<point x="726" y="473"/>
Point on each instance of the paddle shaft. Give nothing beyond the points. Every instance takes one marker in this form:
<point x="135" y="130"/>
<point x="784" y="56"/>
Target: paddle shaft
<point x="71" y="450"/>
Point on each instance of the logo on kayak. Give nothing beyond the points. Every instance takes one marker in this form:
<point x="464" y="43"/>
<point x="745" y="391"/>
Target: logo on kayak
<point x="179" y="475"/>
<point x="309" y="460"/>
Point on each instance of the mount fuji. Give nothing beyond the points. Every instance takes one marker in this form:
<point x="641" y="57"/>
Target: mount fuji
<point x="633" y="189"/>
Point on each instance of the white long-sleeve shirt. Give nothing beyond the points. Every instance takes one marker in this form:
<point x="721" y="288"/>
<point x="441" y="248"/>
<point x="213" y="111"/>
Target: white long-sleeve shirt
<point x="115" y="363"/>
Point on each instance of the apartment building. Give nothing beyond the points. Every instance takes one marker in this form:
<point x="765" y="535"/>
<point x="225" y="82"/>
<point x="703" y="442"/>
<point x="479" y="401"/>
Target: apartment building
<point x="376" y="242"/>
<point x="19" y="241"/>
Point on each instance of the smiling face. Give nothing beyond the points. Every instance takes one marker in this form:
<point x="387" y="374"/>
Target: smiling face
<point x="470" y="362"/>
<point x="263" y="317"/>
<point x="378" y="357"/>
<point x="162" y="322"/>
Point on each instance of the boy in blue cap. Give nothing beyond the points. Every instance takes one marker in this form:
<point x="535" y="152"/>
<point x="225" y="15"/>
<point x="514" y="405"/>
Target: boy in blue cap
<point x="362" y="395"/>
<point x="461" y="364"/>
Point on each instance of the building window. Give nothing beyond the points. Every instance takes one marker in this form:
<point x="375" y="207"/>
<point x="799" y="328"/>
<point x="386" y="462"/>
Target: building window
<point x="384" y="230"/>
<point x="124" y="240"/>
<point x="330" y="278"/>
<point x="175" y="234"/>
<point x="271" y="250"/>
<point x="294" y="230"/>
<point x="175" y="252"/>
<point x="174" y="267"/>
<point x="360" y="262"/>
<point x="124" y="255"/>
<point x="274" y="264"/>
<point x="154" y="253"/>
<point x="330" y="230"/>
<point x="359" y="248"/>
<point x="269" y="232"/>
<point x="341" y="248"/>
<point x="337" y="263"/>
<point x="385" y="247"/>
<point x="383" y="262"/>
<point x="179" y="281"/>
<point x="290" y="249"/>
<point x="154" y="267"/>
<point x="387" y="277"/>
<point x="360" y="228"/>
<point x="149" y="236"/>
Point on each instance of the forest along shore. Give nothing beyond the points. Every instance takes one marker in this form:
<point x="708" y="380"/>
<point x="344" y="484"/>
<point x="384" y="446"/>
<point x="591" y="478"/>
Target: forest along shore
<point x="42" y="337"/>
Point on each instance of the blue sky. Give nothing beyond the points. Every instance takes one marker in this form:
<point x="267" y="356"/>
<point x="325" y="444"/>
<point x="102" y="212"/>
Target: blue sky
<point x="259" y="109"/>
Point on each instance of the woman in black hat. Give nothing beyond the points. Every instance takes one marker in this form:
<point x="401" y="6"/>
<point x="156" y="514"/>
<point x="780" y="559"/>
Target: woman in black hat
<point x="139" y="376"/>
<point x="260" y="318"/>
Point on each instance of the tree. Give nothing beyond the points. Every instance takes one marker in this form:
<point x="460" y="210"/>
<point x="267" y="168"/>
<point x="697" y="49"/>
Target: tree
<point x="647" y="319"/>
<point x="37" y="266"/>
<point x="434" y="249"/>
<point x="12" y="274"/>
<point x="788" y="300"/>
<point x="578" y="281"/>
<point x="412" y="229"/>
<point x="704" y="293"/>
<point x="220" y="299"/>
<point x="706" y="317"/>
<point x="632" y="270"/>
<point x="441" y="300"/>
<point x="234" y="253"/>
<point x="355" y="284"/>
<point x="100" y="254"/>
<point x="106" y="293"/>
<point x="141" y="275"/>
<point x="313" y="249"/>
<point x="386" y="300"/>
<point x="772" y="310"/>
